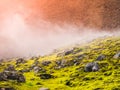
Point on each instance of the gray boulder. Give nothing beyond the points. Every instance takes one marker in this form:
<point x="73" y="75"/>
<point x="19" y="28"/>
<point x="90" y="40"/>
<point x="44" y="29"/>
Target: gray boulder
<point x="24" y="70"/>
<point x="117" y="55"/>
<point x="3" y="76"/>
<point x="19" y="61"/>
<point x="100" y="57"/>
<point x="46" y="63"/>
<point x="37" y="69"/>
<point x="80" y="57"/>
<point x="10" y="68"/>
<point x="73" y="62"/>
<point x="61" y="63"/>
<point x="93" y="66"/>
<point x="11" y="75"/>
<point x="36" y="62"/>
<point x="21" y="78"/>
<point x="67" y="52"/>
<point x="46" y="76"/>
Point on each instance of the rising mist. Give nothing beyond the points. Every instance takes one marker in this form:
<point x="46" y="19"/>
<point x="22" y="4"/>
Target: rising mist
<point x="28" y="31"/>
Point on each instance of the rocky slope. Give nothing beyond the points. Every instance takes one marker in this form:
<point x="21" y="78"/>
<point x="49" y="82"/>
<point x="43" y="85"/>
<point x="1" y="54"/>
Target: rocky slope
<point x="91" y="66"/>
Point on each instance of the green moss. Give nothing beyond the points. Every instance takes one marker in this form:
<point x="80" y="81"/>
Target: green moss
<point x="73" y="77"/>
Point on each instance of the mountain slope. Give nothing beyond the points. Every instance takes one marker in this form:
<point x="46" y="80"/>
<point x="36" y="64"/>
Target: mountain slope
<point x="65" y="69"/>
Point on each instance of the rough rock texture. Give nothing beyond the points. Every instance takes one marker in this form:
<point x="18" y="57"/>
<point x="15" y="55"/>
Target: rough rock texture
<point x="93" y="66"/>
<point x="117" y="55"/>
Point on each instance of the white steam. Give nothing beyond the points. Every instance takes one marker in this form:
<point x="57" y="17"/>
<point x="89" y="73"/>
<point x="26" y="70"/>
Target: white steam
<point x="19" y="39"/>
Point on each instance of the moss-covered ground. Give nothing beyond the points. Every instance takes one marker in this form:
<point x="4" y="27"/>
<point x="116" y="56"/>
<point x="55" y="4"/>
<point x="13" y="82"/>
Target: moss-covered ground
<point x="73" y="77"/>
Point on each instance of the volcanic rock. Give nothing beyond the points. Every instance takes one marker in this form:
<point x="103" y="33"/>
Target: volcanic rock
<point x="117" y="55"/>
<point x="93" y="66"/>
<point x="45" y="76"/>
<point x="2" y="88"/>
<point x="20" y="60"/>
<point x="46" y="63"/>
<point x="100" y="57"/>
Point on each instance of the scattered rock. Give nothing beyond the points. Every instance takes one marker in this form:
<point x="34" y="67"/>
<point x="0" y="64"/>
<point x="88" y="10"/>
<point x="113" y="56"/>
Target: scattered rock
<point x="67" y="52"/>
<point x="73" y="62"/>
<point x="3" y="76"/>
<point x="24" y="70"/>
<point x="46" y="63"/>
<point x="37" y="69"/>
<point x="1" y="88"/>
<point x="34" y="58"/>
<point x="93" y="66"/>
<point x="10" y="68"/>
<point x="46" y="76"/>
<point x="36" y="63"/>
<point x="80" y="57"/>
<point x="117" y="55"/>
<point x="76" y="62"/>
<point x="21" y="78"/>
<point x="100" y="57"/>
<point x="88" y="67"/>
<point x="11" y="75"/>
<point x="44" y="89"/>
<point x="61" y="63"/>
<point x="19" y="61"/>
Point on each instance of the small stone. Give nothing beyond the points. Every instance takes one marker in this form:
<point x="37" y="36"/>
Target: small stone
<point x="24" y="70"/>
<point x="3" y="76"/>
<point x="10" y="68"/>
<point x="45" y="76"/>
<point x="68" y="52"/>
<point x="100" y="57"/>
<point x="37" y="69"/>
<point x="46" y="63"/>
<point x="61" y="63"/>
<point x="21" y="78"/>
<point x="19" y="61"/>
<point x="117" y="55"/>
<point x="93" y="66"/>
<point x="44" y="89"/>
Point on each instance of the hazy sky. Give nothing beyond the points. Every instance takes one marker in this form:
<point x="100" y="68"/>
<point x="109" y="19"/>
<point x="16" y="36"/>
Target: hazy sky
<point x="36" y="27"/>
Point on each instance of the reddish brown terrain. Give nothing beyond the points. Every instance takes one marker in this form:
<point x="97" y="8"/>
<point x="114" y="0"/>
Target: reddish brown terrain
<point x="103" y="14"/>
